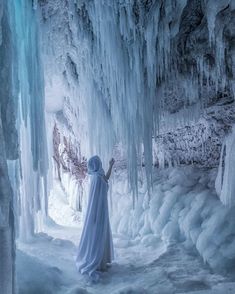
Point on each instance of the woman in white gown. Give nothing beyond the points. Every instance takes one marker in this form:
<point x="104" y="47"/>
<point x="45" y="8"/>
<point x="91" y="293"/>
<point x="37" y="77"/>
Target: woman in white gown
<point x="95" y="249"/>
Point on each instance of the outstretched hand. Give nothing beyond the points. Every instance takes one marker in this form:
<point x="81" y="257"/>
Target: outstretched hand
<point x="111" y="162"/>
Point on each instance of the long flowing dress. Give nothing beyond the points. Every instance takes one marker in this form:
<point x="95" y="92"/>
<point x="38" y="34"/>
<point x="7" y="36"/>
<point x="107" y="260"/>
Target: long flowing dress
<point x="96" y="245"/>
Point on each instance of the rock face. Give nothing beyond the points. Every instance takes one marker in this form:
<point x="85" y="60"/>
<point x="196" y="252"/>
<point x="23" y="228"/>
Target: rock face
<point x="197" y="143"/>
<point x="203" y="55"/>
<point x="67" y="156"/>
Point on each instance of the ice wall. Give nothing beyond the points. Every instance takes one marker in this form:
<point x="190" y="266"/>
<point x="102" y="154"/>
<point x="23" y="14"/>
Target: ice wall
<point x="147" y="78"/>
<point x="23" y="162"/>
<point x="8" y="151"/>
<point x="184" y="209"/>
<point x="136" y="67"/>
<point x="31" y="168"/>
<point x="225" y="184"/>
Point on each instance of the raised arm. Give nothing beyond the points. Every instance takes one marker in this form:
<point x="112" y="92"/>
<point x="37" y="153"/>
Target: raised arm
<point x="111" y="163"/>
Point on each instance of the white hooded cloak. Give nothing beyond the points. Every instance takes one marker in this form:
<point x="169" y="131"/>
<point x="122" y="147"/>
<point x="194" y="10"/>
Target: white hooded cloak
<point x="96" y="246"/>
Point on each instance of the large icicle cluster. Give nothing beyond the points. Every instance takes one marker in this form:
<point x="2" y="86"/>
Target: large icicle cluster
<point x="31" y="170"/>
<point x="8" y="150"/>
<point x="23" y="160"/>
<point x="119" y="77"/>
<point x="130" y="65"/>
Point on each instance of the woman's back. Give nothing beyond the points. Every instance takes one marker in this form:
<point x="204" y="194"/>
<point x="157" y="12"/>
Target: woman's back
<point x="96" y="246"/>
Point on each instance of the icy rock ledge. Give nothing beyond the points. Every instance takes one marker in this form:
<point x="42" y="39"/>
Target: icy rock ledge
<point x="184" y="208"/>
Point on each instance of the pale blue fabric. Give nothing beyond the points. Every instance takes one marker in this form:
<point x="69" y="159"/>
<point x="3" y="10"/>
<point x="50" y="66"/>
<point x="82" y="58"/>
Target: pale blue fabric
<point x="95" y="166"/>
<point x="96" y="245"/>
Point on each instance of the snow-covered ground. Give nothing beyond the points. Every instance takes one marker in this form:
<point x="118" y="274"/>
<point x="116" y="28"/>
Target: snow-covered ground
<point x="155" y="252"/>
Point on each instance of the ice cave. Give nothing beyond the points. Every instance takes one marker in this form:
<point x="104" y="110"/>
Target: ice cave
<point x="150" y="83"/>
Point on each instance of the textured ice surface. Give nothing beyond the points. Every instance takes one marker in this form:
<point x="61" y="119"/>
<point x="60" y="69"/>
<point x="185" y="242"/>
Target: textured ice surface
<point x="102" y="62"/>
<point x="157" y="246"/>
<point x="29" y="172"/>
<point x="60" y="208"/>
<point x="134" y="68"/>
<point x="185" y="208"/>
<point x="22" y="132"/>
<point x="38" y="277"/>
<point x="153" y="269"/>
<point x="225" y="183"/>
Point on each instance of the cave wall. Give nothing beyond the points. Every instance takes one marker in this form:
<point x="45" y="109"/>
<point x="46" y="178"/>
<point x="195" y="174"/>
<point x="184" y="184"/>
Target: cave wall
<point x="8" y="151"/>
<point x="197" y="143"/>
<point x="143" y="78"/>
<point x="23" y="148"/>
<point x="203" y="57"/>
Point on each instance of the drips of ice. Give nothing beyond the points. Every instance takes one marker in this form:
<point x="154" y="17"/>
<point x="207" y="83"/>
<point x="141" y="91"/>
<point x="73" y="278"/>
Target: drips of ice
<point x="213" y="7"/>
<point x="132" y="68"/>
<point x="225" y="182"/>
<point x="30" y="174"/>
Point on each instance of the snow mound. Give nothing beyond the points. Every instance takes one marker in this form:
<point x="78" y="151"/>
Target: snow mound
<point x="183" y="208"/>
<point x="34" y="277"/>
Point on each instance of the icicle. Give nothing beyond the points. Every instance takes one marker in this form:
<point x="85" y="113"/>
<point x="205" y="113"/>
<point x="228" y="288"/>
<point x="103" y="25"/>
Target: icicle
<point x="220" y="173"/>
<point x="35" y="4"/>
<point x="1" y="14"/>
<point x="225" y="184"/>
<point x="212" y="8"/>
<point x="127" y="75"/>
<point x="8" y="150"/>
<point x="28" y="77"/>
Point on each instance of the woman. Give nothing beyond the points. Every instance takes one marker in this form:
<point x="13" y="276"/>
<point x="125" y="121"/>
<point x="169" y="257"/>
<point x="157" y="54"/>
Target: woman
<point x="96" y="245"/>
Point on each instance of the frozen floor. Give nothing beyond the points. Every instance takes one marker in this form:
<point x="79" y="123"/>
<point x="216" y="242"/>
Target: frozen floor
<point x="49" y="268"/>
<point x="143" y="265"/>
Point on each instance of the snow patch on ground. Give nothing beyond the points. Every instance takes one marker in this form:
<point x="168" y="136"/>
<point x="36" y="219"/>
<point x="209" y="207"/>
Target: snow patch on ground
<point x="35" y="276"/>
<point x="160" y="247"/>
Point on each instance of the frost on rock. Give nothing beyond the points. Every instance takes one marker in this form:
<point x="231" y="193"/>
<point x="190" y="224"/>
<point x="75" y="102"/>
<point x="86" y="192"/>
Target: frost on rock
<point x="70" y="168"/>
<point x="198" y="142"/>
